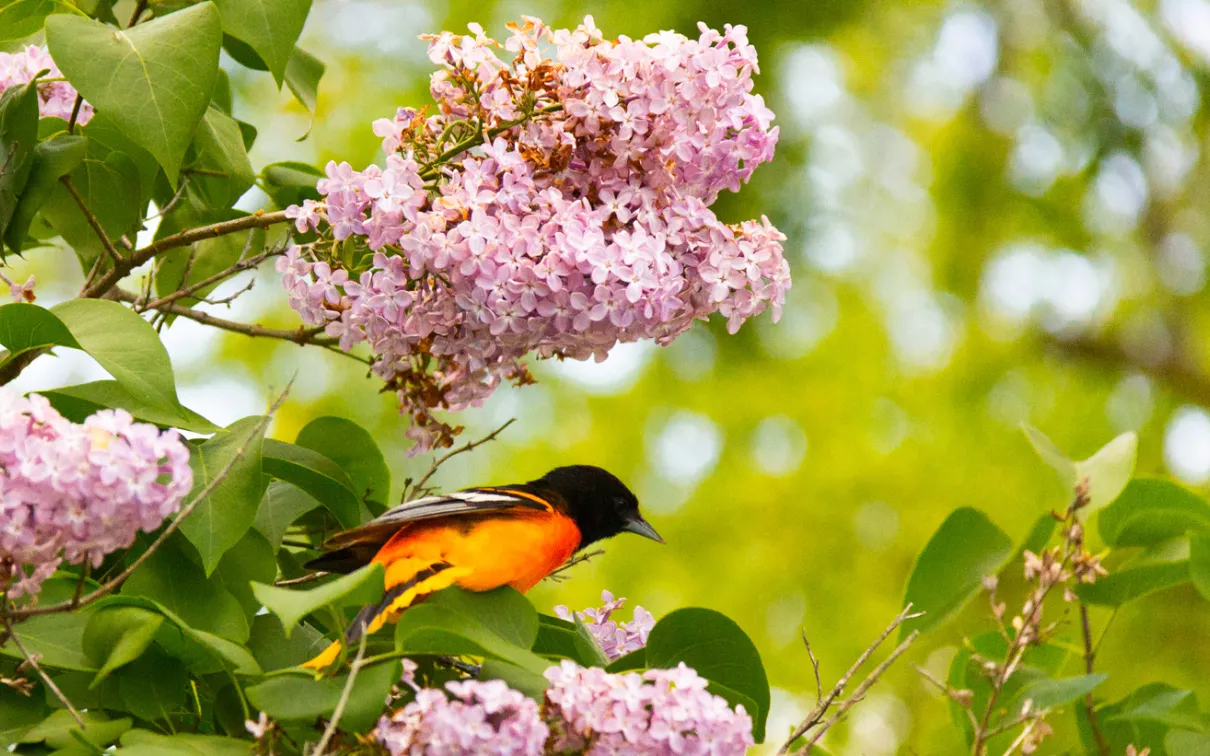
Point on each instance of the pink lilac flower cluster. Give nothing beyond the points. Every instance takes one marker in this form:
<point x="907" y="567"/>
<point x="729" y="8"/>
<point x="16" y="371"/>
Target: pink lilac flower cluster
<point x="587" y="711"/>
<point x="616" y="639"/>
<point x="77" y="492"/>
<point x="581" y="219"/>
<point x="55" y="99"/>
<point x="481" y="717"/>
<point x="661" y="711"/>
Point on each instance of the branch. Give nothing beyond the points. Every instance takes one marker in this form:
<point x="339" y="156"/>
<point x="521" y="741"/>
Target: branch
<point x="33" y="662"/>
<point x="187" y="510"/>
<point x="1181" y="377"/>
<point x="865" y="685"/>
<point x="237" y="267"/>
<point x="420" y="485"/>
<point x="354" y="668"/>
<point x="821" y="708"/>
<point x="259" y="219"/>
<point x="91" y="218"/>
<point x="1089" y="703"/>
<point x="577" y="559"/>
<point x="298" y="335"/>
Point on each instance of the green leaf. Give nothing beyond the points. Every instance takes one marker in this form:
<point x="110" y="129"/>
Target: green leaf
<point x="520" y="679"/>
<point x="1151" y="511"/>
<point x="199" y="649"/>
<point x="269" y="27"/>
<point x="965" y="549"/>
<point x="1109" y="470"/>
<point x="1052" y="456"/>
<point x="147" y="743"/>
<point x="154" y="686"/>
<point x="18" y="713"/>
<point x="219" y="145"/>
<point x="297" y="698"/>
<point x="290" y="183"/>
<point x="431" y="628"/>
<point x="79" y="401"/>
<point x="273" y="650"/>
<point x="220" y="520"/>
<point x="1199" y="563"/>
<point x="1039" y="535"/>
<point x="57" y="639"/>
<point x="365" y="586"/>
<point x="352" y="448"/>
<point x="175" y="582"/>
<point x="1048" y="694"/>
<point x="27" y="326"/>
<point x="125" y="345"/>
<point x="60" y="730"/>
<point x="154" y="80"/>
<point x="1128" y="584"/>
<point x="117" y="636"/>
<point x="503" y="611"/>
<point x="53" y="159"/>
<point x="718" y="650"/>
<point x="1187" y="743"/>
<point x="252" y="558"/>
<point x="112" y="188"/>
<point x="18" y="135"/>
<point x="318" y="476"/>
<point x="588" y="644"/>
<point x="1155" y="702"/>
<point x="303" y="72"/>
<point x="21" y="18"/>
<point x="281" y="505"/>
<point x="566" y="640"/>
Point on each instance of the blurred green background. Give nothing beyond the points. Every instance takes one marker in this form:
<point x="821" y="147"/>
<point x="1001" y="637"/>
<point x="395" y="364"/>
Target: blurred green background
<point x="997" y="213"/>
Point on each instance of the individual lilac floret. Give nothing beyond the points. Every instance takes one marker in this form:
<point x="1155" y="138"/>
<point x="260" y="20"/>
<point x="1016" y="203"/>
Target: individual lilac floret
<point x="583" y="222"/>
<point x="615" y="639"/>
<point x="77" y="492"/>
<point x="55" y="99"/>
<point x="661" y="712"/>
<point x="481" y="717"/>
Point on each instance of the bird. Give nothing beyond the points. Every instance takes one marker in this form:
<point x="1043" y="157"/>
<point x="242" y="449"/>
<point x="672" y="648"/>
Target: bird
<point x="479" y="539"/>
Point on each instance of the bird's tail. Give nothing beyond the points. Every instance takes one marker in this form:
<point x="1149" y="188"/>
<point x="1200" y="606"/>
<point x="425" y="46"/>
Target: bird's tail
<point x="423" y="580"/>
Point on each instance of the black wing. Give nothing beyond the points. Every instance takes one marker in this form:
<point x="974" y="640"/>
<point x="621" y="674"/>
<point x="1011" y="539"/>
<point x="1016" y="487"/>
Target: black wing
<point x="355" y="547"/>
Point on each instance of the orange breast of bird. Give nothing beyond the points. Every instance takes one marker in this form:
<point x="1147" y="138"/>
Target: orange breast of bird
<point x="517" y="549"/>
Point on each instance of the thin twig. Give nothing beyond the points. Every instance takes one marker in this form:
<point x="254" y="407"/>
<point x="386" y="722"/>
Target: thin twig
<point x="956" y="696"/>
<point x="1089" y="703"/>
<point x="437" y="463"/>
<point x="92" y="220"/>
<point x="237" y="267"/>
<point x="577" y="559"/>
<point x="354" y="668"/>
<point x="821" y="708"/>
<point x="75" y="113"/>
<point x="1025" y="733"/>
<point x="172" y="527"/>
<point x="138" y="11"/>
<point x="814" y="667"/>
<point x="302" y="580"/>
<point x="865" y="685"/>
<point x="33" y="662"/>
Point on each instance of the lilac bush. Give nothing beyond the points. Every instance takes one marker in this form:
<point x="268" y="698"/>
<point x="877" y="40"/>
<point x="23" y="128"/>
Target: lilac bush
<point x="77" y="492"/>
<point x="615" y="638"/>
<point x="55" y="99"/>
<point x="582" y="221"/>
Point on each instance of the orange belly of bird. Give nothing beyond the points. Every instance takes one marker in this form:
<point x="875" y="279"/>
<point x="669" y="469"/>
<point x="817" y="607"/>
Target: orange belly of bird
<point x="518" y="550"/>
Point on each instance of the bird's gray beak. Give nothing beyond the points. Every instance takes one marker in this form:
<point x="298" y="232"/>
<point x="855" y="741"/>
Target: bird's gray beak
<point x="639" y="526"/>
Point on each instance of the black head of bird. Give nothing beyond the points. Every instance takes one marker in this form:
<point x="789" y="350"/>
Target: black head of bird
<point x="601" y="505"/>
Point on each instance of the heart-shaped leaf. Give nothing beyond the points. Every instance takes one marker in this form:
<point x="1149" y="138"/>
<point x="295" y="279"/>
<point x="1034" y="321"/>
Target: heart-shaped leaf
<point x="154" y="80"/>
